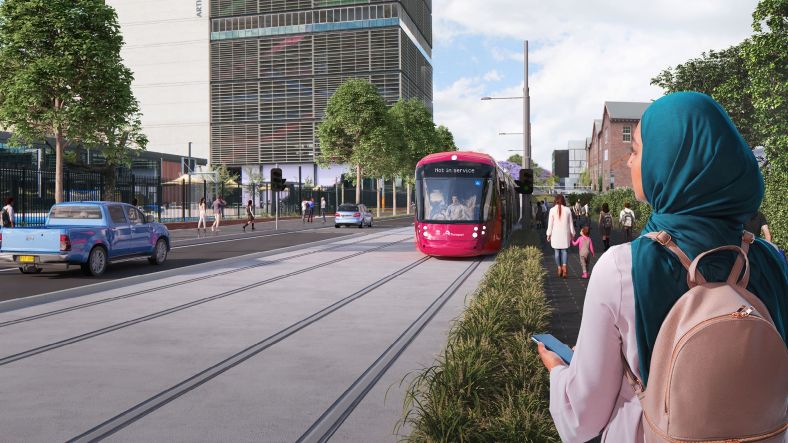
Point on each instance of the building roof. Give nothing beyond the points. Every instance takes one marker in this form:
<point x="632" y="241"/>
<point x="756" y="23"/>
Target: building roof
<point x="597" y="126"/>
<point x="626" y="110"/>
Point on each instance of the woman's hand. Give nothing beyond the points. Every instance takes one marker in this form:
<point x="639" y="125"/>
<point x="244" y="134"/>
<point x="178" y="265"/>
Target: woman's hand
<point x="549" y="237"/>
<point x="549" y="358"/>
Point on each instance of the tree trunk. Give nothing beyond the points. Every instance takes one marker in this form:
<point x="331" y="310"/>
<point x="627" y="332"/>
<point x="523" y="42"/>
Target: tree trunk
<point x="58" y="166"/>
<point x="110" y="184"/>
<point x="394" y="197"/>
<point x="358" y="184"/>
<point x="408" y="197"/>
<point x="377" y="197"/>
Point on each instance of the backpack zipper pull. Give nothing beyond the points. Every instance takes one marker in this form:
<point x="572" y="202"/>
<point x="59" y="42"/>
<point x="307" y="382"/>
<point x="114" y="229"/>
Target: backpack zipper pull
<point x="742" y="312"/>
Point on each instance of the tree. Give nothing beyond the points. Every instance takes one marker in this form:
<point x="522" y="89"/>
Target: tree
<point x="766" y="60"/>
<point x="419" y="138"/>
<point x="516" y="159"/>
<point x="356" y="129"/>
<point x="445" y="139"/>
<point x="585" y="177"/>
<point x="724" y="76"/>
<point x="63" y="75"/>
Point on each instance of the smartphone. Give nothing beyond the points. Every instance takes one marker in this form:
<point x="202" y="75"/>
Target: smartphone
<point x="555" y="345"/>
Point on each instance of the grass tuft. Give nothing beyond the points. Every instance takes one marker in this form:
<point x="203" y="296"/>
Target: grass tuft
<point x="488" y="384"/>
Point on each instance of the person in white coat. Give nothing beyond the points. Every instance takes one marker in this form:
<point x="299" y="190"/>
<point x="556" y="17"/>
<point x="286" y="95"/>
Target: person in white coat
<point x="560" y="232"/>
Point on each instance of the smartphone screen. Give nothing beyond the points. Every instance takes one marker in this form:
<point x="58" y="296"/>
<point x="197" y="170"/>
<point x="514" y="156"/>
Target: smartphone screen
<point x="555" y="345"/>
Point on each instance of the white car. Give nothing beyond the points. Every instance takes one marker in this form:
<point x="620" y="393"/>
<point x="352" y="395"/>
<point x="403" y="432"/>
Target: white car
<point x="352" y="215"/>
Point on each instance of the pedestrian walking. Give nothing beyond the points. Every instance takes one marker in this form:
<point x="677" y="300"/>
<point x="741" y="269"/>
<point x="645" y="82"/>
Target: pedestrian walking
<point x="304" y="209"/>
<point x="586" y="250"/>
<point x="8" y="215"/>
<point x="576" y="208"/>
<point x="201" y="221"/>
<point x="539" y="215"/>
<point x="759" y="226"/>
<point x="627" y="220"/>
<point x="560" y="232"/>
<point x="638" y="294"/>
<point x="311" y="208"/>
<point x="218" y="204"/>
<point x="545" y="213"/>
<point x="605" y="224"/>
<point x="323" y="208"/>
<point x="249" y="215"/>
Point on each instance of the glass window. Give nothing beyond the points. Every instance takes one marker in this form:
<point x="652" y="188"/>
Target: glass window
<point x="117" y="215"/>
<point x="76" y="212"/>
<point x="627" y="134"/>
<point x="454" y="199"/>
<point x="135" y="216"/>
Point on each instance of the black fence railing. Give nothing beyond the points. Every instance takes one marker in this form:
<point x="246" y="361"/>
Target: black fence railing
<point x="34" y="192"/>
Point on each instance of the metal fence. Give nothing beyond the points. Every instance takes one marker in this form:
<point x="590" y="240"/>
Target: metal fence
<point x="34" y="192"/>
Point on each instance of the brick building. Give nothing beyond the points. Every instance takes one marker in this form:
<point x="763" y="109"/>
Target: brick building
<point x="611" y="143"/>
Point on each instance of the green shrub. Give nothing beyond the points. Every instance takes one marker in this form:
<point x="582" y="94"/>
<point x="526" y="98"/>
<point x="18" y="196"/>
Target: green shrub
<point x="616" y="198"/>
<point x="488" y="384"/>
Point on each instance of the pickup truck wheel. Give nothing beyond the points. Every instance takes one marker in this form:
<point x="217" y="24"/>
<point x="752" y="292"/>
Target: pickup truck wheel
<point x="159" y="253"/>
<point x="97" y="262"/>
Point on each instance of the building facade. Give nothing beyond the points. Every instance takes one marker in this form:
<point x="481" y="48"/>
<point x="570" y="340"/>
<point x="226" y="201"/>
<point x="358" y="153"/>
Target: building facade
<point x="611" y="144"/>
<point x="249" y="80"/>
<point x="578" y="162"/>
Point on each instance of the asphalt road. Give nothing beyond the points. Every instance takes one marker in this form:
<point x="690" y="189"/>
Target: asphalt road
<point x="188" y="249"/>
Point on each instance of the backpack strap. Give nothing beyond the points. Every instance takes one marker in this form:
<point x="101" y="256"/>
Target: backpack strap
<point x="666" y="240"/>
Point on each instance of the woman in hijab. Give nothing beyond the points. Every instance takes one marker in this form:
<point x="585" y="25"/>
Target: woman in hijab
<point x="692" y="166"/>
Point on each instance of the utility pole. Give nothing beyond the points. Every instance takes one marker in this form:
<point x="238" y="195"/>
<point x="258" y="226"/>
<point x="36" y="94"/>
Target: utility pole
<point x="525" y="206"/>
<point x="189" y="170"/>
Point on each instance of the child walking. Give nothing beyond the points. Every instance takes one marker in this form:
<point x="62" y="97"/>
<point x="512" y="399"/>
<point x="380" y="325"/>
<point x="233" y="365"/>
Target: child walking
<point x="586" y="246"/>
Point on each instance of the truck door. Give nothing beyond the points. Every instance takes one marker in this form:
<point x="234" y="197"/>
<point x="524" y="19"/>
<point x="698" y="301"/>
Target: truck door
<point x="119" y="235"/>
<point x="140" y="231"/>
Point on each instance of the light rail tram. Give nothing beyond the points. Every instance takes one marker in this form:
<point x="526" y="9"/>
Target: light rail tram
<point x="465" y="205"/>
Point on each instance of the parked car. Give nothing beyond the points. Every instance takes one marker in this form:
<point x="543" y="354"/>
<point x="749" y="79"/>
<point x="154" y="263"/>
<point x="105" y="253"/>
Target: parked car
<point x="352" y="215"/>
<point x="88" y="235"/>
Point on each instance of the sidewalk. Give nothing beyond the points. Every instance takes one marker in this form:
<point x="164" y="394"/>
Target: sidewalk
<point x="567" y="295"/>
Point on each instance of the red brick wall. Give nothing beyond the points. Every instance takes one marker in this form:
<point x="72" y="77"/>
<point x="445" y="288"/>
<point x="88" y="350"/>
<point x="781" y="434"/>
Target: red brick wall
<point x="611" y="138"/>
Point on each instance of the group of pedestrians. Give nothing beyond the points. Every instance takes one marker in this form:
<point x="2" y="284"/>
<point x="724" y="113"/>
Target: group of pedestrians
<point x="308" y="210"/>
<point x="218" y="211"/>
<point x="630" y="377"/>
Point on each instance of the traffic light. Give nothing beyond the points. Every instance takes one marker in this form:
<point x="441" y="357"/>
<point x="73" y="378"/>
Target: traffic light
<point x="525" y="185"/>
<point x="277" y="182"/>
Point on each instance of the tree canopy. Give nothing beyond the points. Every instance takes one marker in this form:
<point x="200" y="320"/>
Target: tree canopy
<point x="750" y="80"/>
<point x="515" y="158"/>
<point x="63" y="76"/>
<point x="420" y="137"/>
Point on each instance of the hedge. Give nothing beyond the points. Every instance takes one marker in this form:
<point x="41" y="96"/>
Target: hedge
<point x="488" y="384"/>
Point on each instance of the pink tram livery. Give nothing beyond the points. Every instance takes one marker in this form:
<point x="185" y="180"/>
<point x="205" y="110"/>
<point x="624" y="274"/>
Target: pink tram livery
<point x="465" y="205"/>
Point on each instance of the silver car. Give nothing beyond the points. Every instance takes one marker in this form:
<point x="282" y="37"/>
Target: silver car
<point x="352" y="215"/>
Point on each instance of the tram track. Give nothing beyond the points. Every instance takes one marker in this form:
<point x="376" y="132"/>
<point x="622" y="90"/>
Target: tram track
<point x="336" y="414"/>
<point x="159" y="400"/>
<point x="117" y="326"/>
<point x="182" y="283"/>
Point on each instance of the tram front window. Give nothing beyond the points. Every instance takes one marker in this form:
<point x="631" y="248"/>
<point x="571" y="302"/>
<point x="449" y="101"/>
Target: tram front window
<point x="453" y="199"/>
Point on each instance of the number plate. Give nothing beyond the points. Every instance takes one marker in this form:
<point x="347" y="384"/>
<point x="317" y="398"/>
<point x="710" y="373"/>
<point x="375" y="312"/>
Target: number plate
<point x="27" y="259"/>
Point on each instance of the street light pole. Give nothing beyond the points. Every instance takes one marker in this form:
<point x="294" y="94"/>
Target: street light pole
<point x="526" y="201"/>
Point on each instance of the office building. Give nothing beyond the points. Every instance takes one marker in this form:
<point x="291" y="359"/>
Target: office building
<point x="248" y="81"/>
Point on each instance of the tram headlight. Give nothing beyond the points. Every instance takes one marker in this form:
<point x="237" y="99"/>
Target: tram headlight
<point x="475" y="235"/>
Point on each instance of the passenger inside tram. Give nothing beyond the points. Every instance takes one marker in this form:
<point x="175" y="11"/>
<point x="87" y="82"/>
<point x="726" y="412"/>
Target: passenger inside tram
<point x="464" y="204"/>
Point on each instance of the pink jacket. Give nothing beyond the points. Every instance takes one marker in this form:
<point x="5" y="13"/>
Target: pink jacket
<point x="583" y="239"/>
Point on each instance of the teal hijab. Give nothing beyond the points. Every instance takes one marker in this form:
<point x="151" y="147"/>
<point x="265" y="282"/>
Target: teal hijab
<point x="703" y="183"/>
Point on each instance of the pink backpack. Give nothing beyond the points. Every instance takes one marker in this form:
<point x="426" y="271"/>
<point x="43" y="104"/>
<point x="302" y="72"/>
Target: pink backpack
<point x="719" y="369"/>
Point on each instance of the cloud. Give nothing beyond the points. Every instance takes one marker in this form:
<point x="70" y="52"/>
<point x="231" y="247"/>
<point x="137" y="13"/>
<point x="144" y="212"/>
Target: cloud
<point x="586" y="53"/>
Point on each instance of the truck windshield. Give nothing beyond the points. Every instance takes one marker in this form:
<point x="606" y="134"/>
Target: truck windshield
<point x="75" y="212"/>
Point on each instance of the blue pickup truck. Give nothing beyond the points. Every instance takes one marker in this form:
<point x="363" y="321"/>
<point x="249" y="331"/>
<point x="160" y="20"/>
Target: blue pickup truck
<point x="88" y="235"/>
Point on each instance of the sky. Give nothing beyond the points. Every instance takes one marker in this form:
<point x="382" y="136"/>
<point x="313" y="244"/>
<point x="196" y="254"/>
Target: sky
<point x="582" y="53"/>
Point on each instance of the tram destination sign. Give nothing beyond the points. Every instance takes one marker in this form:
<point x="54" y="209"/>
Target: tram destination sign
<point x="456" y="169"/>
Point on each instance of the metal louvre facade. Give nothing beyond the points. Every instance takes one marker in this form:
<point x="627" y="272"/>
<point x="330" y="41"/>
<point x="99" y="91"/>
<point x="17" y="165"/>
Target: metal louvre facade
<point x="276" y="63"/>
